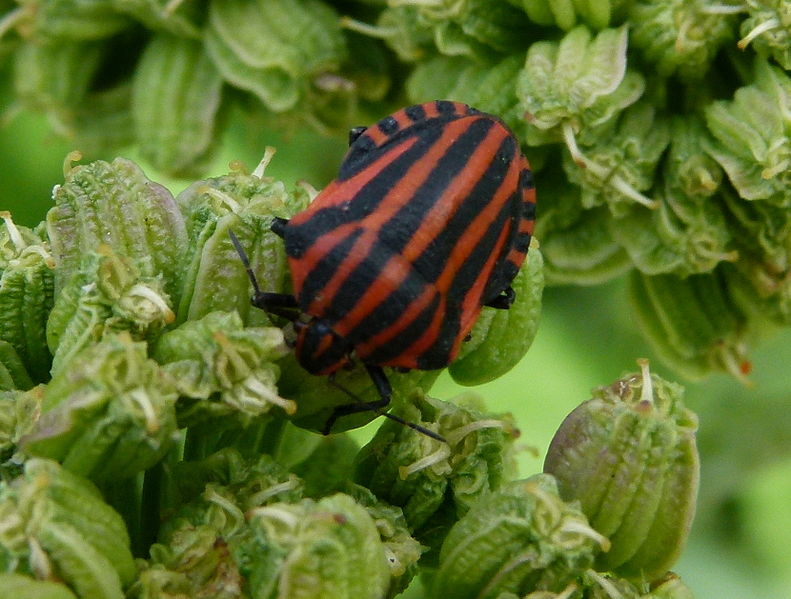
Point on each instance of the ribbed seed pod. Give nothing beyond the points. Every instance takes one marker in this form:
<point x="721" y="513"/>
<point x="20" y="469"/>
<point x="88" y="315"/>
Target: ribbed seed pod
<point x="176" y="93"/>
<point x="80" y="539"/>
<point x="680" y="37"/>
<point x="72" y="19"/>
<point x="20" y="586"/>
<point x="274" y="48"/>
<point x="26" y="298"/>
<point x="214" y="276"/>
<point x="576" y="83"/>
<point x="114" y="203"/>
<point x="7" y="411"/>
<point x="688" y="233"/>
<point x="222" y="369"/>
<point x="576" y="244"/>
<point x="55" y="78"/>
<point x="753" y="136"/>
<point x="692" y="323"/>
<point x="620" y="159"/>
<point x="110" y="414"/>
<point x="329" y="548"/>
<point x="519" y="539"/>
<point x="629" y="457"/>
<point x="565" y="14"/>
<point x="474" y="27"/>
<point x="500" y="338"/>
<point x="105" y="296"/>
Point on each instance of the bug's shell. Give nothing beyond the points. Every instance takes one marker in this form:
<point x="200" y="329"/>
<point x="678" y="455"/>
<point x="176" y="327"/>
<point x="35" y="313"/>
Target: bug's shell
<point x="430" y="218"/>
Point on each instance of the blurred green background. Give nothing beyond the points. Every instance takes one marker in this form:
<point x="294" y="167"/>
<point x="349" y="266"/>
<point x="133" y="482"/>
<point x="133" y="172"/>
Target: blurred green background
<point x="587" y="337"/>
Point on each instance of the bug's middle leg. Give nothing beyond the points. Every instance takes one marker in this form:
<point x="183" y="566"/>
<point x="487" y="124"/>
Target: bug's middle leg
<point x="384" y="390"/>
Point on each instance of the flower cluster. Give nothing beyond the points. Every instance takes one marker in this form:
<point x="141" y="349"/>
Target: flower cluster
<point x="157" y="437"/>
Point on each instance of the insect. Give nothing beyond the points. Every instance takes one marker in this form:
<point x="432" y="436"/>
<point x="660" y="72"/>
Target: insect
<point x="428" y="221"/>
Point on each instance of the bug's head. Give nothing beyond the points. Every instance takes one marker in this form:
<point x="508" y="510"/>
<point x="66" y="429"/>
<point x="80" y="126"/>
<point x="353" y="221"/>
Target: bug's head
<point x="319" y="349"/>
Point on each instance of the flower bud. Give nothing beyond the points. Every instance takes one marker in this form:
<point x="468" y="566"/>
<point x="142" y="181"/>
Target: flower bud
<point x="108" y="414"/>
<point x="518" y="539"/>
<point x="20" y="586"/>
<point x="629" y="457"/>
<point x="58" y="526"/>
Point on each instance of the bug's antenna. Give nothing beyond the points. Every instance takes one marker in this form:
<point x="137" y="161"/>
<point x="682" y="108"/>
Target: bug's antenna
<point x="246" y="261"/>
<point x="393" y="417"/>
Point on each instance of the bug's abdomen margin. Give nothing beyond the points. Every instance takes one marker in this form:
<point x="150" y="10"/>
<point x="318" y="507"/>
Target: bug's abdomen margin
<point x="399" y="256"/>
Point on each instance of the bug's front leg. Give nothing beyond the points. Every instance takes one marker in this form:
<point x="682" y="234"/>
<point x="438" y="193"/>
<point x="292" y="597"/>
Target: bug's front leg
<point x="281" y="304"/>
<point x="278" y="226"/>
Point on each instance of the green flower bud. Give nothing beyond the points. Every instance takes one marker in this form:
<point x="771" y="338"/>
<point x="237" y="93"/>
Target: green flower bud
<point x="620" y="159"/>
<point x="274" y="48"/>
<point x="71" y="19"/>
<point x="576" y="83"/>
<point x="177" y="18"/>
<point x="176" y="95"/>
<point x="576" y="244"/>
<point x="401" y="28"/>
<point x="436" y="483"/>
<point x="576" y="87"/>
<point x="114" y="203"/>
<point x="688" y="233"/>
<point x="215" y="278"/>
<point x="401" y="549"/>
<point x="500" y="338"/>
<point x="753" y="136"/>
<point x="55" y="79"/>
<point x="472" y="27"/>
<point x="759" y="281"/>
<point x="329" y="548"/>
<point x="518" y="539"/>
<point x="26" y="297"/>
<point x="767" y="28"/>
<point x="692" y="323"/>
<point x="105" y="296"/>
<point x="680" y="36"/>
<point x="7" y="417"/>
<point x="222" y="369"/>
<point x="629" y="457"/>
<point x="25" y="587"/>
<point x="110" y="414"/>
<point x="58" y="526"/>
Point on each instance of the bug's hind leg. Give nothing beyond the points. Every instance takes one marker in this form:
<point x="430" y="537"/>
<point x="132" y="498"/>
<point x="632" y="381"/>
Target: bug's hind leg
<point x="385" y="391"/>
<point x="504" y="300"/>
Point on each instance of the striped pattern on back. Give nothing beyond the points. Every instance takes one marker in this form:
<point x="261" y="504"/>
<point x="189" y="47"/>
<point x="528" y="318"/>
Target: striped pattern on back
<point x="430" y="217"/>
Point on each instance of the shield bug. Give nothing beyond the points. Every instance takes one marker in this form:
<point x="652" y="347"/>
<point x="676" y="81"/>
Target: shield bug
<point x="428" y="221"/>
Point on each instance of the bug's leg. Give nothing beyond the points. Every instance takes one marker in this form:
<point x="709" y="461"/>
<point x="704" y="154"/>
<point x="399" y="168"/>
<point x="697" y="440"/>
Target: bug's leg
<point x="382" y="387"/>
<point x="278" y="226"/>
<point x="385" y="393"/>
<point x="504" y="300"/>
<point x="281" y="304"/>
<point x="354" y="133"/>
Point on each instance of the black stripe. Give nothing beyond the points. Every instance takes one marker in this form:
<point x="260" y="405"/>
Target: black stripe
<point x="416" y="112"/>
<point x="522" y="242"/>
<point x="529" y="210"/>
<point x="526" y="179"/>
<point x="388" y="125"/>
<point x="316" y="279"/>
<point x="445" y="107"/>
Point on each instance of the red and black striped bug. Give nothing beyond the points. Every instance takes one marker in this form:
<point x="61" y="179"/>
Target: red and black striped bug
<point x="429" y="219"/>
